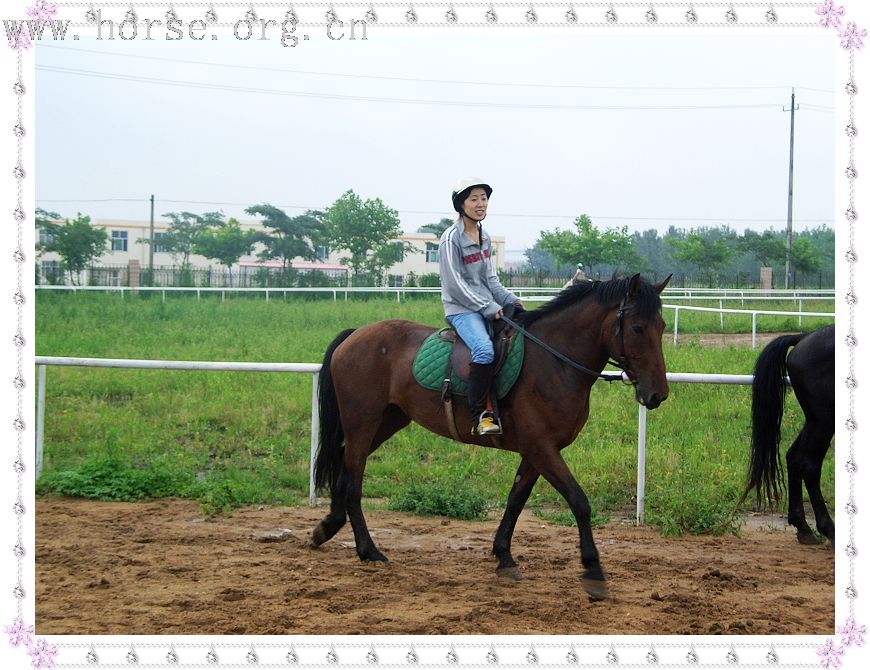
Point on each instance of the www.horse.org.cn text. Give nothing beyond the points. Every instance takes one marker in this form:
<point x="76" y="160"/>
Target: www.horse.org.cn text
<point x="197" y="30"/>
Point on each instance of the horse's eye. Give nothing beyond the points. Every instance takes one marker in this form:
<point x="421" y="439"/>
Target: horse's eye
<point x="638" y="330"/>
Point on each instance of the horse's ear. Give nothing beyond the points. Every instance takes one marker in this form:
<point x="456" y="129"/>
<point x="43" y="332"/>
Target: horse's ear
<point x="661" y="286"/>
<point x="633" y="285"/>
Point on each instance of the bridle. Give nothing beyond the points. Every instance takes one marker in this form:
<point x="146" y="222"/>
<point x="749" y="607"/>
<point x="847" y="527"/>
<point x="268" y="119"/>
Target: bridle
<point x="620" y="362"/>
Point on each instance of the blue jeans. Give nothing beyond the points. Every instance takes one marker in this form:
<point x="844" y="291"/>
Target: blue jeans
<point x="471" y="327"/>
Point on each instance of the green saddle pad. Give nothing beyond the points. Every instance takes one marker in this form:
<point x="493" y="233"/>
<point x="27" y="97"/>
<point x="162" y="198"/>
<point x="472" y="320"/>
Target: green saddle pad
<point x="433" y="357"/>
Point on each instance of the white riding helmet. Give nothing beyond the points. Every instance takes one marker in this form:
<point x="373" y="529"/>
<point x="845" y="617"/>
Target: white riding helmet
<point x="462" y="189"/>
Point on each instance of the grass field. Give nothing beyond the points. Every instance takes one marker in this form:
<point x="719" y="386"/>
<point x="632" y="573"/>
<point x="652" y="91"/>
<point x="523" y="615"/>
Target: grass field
<point x="228" y="439"/>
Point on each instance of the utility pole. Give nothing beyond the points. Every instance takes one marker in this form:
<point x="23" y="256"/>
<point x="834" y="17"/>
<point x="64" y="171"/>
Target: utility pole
<point x="789" y="283"/>
<point x="151" y="244"/>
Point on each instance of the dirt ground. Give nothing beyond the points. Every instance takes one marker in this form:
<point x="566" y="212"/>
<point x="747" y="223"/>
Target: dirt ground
<point x="161" y="568"/>
<point x="723" y="340"/>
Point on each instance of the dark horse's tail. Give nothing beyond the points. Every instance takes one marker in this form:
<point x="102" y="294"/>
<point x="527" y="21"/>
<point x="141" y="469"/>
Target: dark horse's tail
<point x="768" y="396"/>
<point x="330" y="454"/>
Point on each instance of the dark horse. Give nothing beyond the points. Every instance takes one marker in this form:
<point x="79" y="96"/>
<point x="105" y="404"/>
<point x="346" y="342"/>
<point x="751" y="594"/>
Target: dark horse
<point x="810" y="367"/>
<point x="368" y="393"/>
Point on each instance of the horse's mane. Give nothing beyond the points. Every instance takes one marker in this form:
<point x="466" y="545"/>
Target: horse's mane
<point x="646" y="302"/>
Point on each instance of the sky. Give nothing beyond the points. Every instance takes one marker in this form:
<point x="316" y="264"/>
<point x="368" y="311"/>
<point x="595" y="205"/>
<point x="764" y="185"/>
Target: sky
<point x="99" y="139"/>
<point x="634" y="131"/>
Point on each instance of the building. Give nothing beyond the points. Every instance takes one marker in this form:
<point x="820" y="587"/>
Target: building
<point x="127" y="254"/>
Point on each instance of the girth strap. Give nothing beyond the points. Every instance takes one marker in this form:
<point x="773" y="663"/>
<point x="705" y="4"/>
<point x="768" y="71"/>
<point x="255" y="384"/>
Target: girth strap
<point x="447" y="401"/>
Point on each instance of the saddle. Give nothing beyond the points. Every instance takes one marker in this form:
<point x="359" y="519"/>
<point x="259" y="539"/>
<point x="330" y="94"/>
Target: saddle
<point x="459" y="363"/>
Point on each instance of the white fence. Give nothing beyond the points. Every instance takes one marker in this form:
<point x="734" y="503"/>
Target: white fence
<point x="314" y="369"/>
<point x="753" y="312"/>
<point x="540" y="293"/>
<point x="43" y="361"/>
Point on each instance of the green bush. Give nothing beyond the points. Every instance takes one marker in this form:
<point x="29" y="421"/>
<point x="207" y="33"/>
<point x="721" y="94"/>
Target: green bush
<point x="442" y="499"/>
<point x="106" y="477"/>
<point x="696" y="514"/>
<point x="109" y="478"/>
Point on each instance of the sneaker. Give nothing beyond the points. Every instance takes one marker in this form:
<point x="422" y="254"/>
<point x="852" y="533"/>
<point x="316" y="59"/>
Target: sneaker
<point x="486" y="425"/>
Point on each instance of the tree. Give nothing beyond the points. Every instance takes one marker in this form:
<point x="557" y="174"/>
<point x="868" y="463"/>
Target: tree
<point x="226" y="244"/>
<point x="804" y="255"/>
<point x="562" y="245"/>
<point x="289" y="237"/>
<point x="539" y="260"/>
<point x="590" y="246"/>
<point x="185" y="230"/>
<point x="44" y="217"/>
<point x="768" y="248"/>
<point x="76" y="242"/>
<point x="365" y="228"/>
<point x="436" y="228"/>
<point x="707" y="254"/>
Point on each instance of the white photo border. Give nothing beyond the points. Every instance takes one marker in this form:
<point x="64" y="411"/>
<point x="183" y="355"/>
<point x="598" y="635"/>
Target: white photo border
<point x="17" y="585"/>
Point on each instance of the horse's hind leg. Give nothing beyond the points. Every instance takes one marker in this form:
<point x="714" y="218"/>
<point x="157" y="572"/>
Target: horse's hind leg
<point x="796" y="462"/>
<point x="816" y="444"/>
<point x="501" y="547"/>
<point x="337" y="516"/>
<point x="358" y="449"/>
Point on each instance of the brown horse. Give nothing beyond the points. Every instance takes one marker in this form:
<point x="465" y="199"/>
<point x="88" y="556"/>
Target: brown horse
<point x="368" y="393"/>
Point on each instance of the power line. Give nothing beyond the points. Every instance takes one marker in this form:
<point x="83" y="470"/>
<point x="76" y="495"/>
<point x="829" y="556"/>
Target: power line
<point x="237" y="66"/>
<point x="333" y="96"/>
<point x="720" y="219"/>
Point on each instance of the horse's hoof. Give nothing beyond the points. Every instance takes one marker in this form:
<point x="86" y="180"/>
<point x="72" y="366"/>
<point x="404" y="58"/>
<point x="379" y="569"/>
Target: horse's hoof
<point x="374" y="557"/>
<point x="318" y="537"/>
<point x="808" y="538"/>
<point x="512" y="572"/>
<point x="596" y="589"/>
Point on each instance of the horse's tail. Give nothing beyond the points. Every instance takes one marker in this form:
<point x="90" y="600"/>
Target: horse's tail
<point x="330" y="453"/>
<point x="768" y="397"/>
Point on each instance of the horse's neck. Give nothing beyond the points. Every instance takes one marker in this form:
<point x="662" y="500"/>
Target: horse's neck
<point x="576" y="332"/>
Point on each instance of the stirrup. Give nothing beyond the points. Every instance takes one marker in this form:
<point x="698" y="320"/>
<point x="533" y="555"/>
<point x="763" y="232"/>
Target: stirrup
<point x="486" y="425"/>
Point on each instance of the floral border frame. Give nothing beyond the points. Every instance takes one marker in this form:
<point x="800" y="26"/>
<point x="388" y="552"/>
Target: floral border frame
<point x="384" y="651"/>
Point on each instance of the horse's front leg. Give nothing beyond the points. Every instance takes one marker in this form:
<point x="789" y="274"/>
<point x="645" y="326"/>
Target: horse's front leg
<point x="549" y="462"/>
<point x="501" y="547"/>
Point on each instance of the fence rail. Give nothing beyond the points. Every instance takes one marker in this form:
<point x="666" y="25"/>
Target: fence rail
<point x="688" y="292"/>
<point x="314" y="368"/>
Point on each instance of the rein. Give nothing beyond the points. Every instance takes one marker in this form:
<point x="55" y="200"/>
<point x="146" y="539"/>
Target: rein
<point x="622" y="364"/>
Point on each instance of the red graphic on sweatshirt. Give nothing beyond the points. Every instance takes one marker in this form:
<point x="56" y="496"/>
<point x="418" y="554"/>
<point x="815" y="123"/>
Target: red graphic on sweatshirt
<point x="473" y="258"/>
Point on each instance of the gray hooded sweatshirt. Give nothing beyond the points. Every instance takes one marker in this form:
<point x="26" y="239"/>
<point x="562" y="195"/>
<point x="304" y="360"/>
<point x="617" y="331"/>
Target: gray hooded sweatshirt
<point x="469" y="282"/>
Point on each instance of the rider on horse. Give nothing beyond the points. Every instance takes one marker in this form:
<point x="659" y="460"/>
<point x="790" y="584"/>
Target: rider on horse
<point x="472" y="293"/>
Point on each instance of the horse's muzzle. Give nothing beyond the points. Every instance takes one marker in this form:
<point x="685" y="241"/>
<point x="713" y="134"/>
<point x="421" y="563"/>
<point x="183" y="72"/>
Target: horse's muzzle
<point x="653" y="400"/>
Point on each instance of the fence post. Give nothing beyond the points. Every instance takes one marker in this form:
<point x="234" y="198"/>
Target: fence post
<point x="801" y="312"/>
<point x="315" y="436"/>
<point x="676" y="323"/>
<point x="641" y="463"/>
<point x="754" y="315"/>
<point x="40" y="418"/>
<point x="721" y="316"/>
<point x="163" y="293"/>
